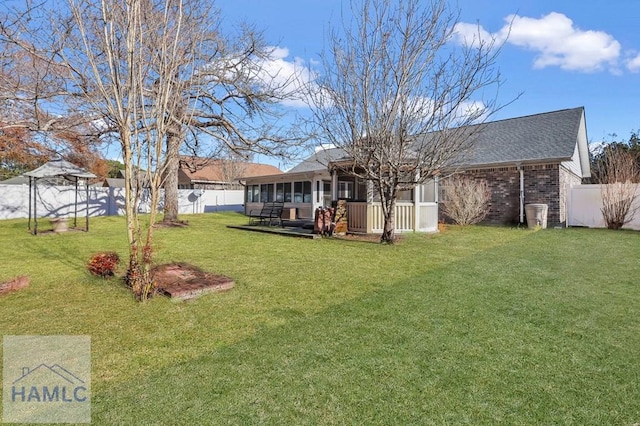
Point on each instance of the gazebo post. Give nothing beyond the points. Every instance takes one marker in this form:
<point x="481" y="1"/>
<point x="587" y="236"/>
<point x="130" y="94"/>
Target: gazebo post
<point x="29" y="223"/>
<point x="86" y="183"/>
<point x="35" y="206"/>
<point x="75" y="206"/>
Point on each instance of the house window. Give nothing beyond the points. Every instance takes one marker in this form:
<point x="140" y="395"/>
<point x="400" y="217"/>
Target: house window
<point x="361" y="190"/>
<point x="253" y="193"/>
<point x="345" y="190"/>
<point x="406" y="195"/>
<point x="297" y="192"/>
<point x="326" y="193"/>
<point x="428" y="191"/>
<point x="279" y="191"/>
<point x="287" y="192"/>
<point x="306" y="192"/>
<point x="302" y="192"/>
<point x="266" y="192"/>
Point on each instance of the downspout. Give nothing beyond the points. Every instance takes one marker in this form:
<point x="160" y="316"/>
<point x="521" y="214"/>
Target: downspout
<point x="521" y="171"/>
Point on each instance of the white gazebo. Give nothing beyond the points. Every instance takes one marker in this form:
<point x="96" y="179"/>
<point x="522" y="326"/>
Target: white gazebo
<point x="58" y="168"/>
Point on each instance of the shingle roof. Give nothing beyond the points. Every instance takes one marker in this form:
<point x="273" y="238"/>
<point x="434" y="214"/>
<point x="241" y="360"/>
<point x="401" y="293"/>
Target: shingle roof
<point x="540" y="137"/>
<point x="319" y="160"/>
<point x="113" y="183"/>
<point x="24" y="180"/>
<point x="202" y="169"/>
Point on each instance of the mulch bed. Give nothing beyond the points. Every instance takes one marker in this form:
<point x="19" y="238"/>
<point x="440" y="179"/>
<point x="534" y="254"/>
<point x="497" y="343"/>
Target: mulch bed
<point x="182" y="281"/>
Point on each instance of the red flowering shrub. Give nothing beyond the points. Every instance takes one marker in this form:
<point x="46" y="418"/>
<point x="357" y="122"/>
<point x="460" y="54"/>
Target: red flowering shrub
<point x="103" y="264"/>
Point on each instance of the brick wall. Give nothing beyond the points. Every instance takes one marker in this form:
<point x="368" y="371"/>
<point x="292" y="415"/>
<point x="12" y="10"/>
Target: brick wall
<point x="543" y="183"/>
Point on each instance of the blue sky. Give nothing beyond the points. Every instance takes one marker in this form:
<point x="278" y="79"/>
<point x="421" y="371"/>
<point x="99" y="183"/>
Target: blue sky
<point x="560" y="54"/>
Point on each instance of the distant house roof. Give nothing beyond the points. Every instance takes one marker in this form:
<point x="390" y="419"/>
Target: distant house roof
<point x="550" y="136"/>
<point x="209" y="170"/>
<point x="113" y="183"/>
<point x="120" y="181"/>
<point x="24" y="180"/>
<point x="16" y="180"/>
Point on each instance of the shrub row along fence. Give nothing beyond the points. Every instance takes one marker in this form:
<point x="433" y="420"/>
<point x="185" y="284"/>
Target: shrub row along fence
<point x="59" y="201"/>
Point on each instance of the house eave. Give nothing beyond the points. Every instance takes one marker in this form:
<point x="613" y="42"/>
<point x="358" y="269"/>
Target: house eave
<point x="510" y="163"/>
<point x="285" y="177"/>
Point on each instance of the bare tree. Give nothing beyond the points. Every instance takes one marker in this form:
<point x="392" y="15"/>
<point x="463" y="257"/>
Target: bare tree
<point x="117" y="57"/>
<point x="619" y="176"/>
<point x="232" y="168"/>
<point x="31" y="131"/>
<point x="227" y="96"/>
<point x="396" y="94"/>
<point x="151" y="73"/>
<point x="466" y="200"/>
<point x="123" y="56"/>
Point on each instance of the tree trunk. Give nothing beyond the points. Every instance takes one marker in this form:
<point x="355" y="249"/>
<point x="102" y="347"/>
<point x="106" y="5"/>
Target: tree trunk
<point x="137" y="276"/>
<point x="389" y="230"/>
<point x="172" y="166"/>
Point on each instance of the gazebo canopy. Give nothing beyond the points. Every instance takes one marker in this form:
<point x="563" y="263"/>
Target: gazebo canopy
<point x="56" y="168"/>
<point x="59" y="167"/>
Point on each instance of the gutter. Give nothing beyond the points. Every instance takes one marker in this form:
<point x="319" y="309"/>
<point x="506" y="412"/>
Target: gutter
<point x="509" y="163"/>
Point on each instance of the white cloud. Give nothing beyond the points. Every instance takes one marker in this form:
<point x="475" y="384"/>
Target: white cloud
<point x="292" y="76"/>
<point x="556" y="40"/>
<point x="472" y="111"/>
<point x="473" y="34"/>
<point x="633" y="63"/>
<point x="560" y="43"/>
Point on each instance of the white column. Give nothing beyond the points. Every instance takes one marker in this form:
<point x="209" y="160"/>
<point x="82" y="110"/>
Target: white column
<point x="416" y="204"/>
<point x="334" y="185"/>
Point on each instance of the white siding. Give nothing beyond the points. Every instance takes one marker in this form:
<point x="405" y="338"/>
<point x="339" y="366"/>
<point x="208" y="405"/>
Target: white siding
<point x="574" y="165"/>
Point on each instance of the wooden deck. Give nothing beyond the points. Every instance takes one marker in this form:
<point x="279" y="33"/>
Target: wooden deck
<point x="298" y="229"/>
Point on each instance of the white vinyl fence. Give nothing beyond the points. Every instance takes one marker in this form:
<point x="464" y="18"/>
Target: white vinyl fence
<point x="59" y="201"/>
<point x="585" y="202"/>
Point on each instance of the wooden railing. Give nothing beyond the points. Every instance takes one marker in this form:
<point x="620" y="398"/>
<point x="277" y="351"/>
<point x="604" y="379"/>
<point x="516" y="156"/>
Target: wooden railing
<point x="357" y="217"/>
<point x="363" y="217"/>
<point x="404" y="218"/>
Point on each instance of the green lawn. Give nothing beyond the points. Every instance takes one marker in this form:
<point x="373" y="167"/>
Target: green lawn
<point x="481" y="325"/>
